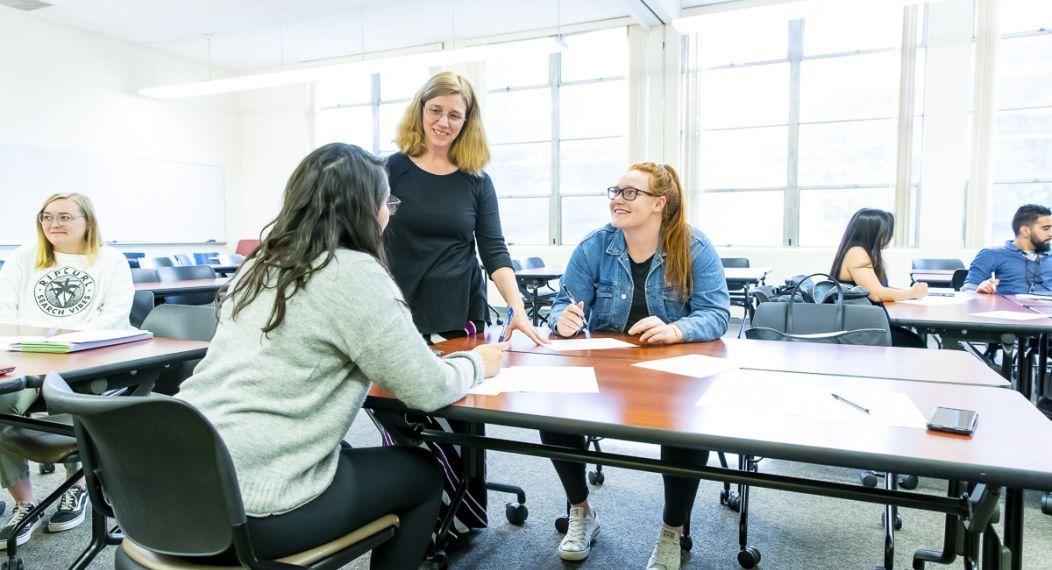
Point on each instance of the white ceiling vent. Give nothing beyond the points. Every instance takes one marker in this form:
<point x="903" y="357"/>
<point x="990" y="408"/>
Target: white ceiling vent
<point x="25" y="5"/>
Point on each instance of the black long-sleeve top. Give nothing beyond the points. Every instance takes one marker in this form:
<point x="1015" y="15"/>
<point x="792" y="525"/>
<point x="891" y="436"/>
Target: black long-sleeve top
<point x="431" y="241"/>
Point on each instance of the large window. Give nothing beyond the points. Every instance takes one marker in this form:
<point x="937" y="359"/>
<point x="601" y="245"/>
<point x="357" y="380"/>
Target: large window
<point x="1022" y="149"/>
<point x="799" y="125"/>
<point x="557" y="126"/>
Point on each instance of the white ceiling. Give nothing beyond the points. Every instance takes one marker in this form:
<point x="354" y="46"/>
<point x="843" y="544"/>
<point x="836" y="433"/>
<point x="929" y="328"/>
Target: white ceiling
<point x="252" y="34"/>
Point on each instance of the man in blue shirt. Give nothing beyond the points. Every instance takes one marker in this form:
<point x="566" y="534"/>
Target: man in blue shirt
<point x="1021" y="265"/>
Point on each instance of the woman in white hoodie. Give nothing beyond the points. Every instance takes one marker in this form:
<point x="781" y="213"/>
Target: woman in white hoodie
<point x="68" y="279"/>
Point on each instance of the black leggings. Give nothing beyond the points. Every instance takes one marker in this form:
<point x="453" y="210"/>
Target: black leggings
<point x="370" y="482"/>
<point x="679" y="491"/>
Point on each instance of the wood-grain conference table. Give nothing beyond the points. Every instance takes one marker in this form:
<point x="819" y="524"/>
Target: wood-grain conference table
<point x="656" y="407"/>
<point x="162" y="289"/>
<point x="957" y="323"/>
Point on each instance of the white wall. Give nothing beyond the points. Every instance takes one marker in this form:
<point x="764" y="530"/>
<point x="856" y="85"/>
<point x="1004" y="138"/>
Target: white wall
<point x="63" y="88"/>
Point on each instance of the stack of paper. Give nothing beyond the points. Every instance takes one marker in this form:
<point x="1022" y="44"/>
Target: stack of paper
<point x="80" y="340"/>
<point x="556" y="379"/>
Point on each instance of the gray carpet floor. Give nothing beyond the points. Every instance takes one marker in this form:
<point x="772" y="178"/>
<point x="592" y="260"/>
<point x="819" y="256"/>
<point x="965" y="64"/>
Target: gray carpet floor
<point x="792" y="531"/>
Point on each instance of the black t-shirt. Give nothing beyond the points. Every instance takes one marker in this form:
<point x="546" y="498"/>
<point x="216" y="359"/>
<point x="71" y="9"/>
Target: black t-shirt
<point x="430" y="243"/>
<point x="639" y="309"/>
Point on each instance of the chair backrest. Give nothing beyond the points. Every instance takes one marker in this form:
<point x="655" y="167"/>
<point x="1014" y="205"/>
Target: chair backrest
<point x="162" y="261"/>
<point x="1" y="262"/>
<point x="142" y="304"/>
<point x="516" y="265"/>
<point x="184" y="273"/>
<point x="936" y="263"/>
<point x="171" y="462"/>
<point x="186" y="322"/>
<point x="182" y="259"/>
<point x="734" y="261"/>
<point x="246" y="246"/>
<point x="958" y="279"/>
<point x="206" y="258"/>
<point x="532" y="262"/>
<point x="144" y="275"/>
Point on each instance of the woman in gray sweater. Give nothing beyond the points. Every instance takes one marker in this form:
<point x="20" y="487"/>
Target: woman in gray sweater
<point x="311" y="320"/>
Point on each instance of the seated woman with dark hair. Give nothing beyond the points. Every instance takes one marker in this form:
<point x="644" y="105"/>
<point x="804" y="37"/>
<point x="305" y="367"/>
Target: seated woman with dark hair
<point x="858" y="260"/>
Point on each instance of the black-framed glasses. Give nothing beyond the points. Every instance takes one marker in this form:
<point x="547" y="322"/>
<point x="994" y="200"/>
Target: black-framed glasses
<point x="392" y="204"/>
<point x="628" y="193"/>
<point x="46" y="219"/>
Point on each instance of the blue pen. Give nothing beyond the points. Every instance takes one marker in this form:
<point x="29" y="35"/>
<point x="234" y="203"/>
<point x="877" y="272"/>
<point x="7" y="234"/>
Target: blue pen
<point x="503" y="332"/>
<point x="574" y="302"/>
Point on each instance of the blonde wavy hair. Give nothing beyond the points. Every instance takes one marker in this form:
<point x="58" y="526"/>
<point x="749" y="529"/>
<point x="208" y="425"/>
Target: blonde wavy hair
<point x="675" y="232"/>
<point x="470" y="151"/>
<point x="92" y="238"/>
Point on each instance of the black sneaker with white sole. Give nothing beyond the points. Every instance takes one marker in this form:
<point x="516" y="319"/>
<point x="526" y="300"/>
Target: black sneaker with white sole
<point x="19" y="513"/>
<point x="71" y="509"/>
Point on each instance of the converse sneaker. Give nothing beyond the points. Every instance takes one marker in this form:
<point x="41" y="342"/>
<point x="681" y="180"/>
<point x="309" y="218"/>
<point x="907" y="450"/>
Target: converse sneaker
<point x="19" y="513"/>
<point x="71" y="508"/>
<point x="581" y="532"/>
<point x="666" y="552"/>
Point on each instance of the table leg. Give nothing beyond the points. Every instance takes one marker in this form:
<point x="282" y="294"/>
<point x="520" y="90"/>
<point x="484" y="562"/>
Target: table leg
<point x="1013" y="538"/>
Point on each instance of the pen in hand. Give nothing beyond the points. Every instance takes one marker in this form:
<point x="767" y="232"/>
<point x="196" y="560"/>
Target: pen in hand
<point x="573" y="301"/>
<point x="850" y="403"/>
<point x="504" y="331"/>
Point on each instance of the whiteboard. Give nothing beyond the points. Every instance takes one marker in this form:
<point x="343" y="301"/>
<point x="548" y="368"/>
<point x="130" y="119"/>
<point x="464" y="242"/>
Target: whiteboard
<point x="136" y="199"/>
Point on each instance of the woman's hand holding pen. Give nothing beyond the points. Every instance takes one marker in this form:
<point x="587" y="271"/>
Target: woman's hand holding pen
<point x="492" y="356"/>
<point x="571" y="320"/>
<point x="519" y="320"/>
<point x="653" y="330"/>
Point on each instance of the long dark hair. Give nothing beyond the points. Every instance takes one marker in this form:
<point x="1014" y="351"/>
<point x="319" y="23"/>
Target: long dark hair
<point x="871" y="229"/>
<point x="332" y="200"/>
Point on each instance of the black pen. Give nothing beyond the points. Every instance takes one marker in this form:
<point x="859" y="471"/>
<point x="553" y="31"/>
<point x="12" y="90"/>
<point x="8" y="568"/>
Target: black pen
<point x="850" y="403"/>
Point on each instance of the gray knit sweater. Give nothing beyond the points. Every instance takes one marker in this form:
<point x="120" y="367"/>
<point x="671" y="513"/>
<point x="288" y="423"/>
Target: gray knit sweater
<point x="283" y="402"/>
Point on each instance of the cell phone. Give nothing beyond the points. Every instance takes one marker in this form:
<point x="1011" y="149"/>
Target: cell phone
<point x="953" y="420"/>
<point x="6" y="369"/>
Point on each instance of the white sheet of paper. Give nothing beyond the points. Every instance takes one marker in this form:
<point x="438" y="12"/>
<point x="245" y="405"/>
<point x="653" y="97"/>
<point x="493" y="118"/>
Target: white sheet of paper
<point x="937" y="301"/>
<point x="696" y="365"/>
<point x="885" y="408"/>
<point x="1029" y="297"/>
<point x="551" y="379"/>
<point x="589" y="344"/>
<point x="1011" y="315"/>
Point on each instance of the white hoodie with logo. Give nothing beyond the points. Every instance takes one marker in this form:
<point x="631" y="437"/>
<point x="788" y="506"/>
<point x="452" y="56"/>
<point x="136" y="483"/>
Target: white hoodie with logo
<point x="71" y="294"/>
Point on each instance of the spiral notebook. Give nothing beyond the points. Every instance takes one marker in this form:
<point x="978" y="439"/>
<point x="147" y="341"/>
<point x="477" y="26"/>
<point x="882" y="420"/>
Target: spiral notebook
<point x="80" y="340"/>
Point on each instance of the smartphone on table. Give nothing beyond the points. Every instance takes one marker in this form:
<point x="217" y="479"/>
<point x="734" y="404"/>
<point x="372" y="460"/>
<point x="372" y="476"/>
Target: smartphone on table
<point x="953" y="420"/>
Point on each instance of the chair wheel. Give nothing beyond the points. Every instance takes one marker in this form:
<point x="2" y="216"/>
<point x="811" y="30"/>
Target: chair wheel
<point x="596" y="478"/>
<point x="516" y="513"/>
<point x="686" y="542"/>
<point x="734" y="502"/>
<point x="748" y="557"/>
<point x="562" y="524"/>
<point x="438" y="562"/>
<point x="884" y="520"/>
<point x="868" y="478"/>
<point x="46" y="468"/>
<point x="908" y="482"/>
<point x="1046" y="504"/>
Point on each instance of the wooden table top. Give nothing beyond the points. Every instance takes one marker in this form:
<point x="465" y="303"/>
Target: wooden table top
<point x="657" y="407"/>
<point x="915" y="364"/>
<point x="127" y="356"/>
<point x="182" y="287"/>
<point x="961" y="315"/>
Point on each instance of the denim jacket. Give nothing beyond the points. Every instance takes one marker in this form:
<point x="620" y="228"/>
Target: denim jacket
<point x="599" y="274"/>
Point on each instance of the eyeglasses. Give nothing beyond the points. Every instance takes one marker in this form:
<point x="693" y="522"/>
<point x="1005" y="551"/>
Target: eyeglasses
<point x="436" y="114"/>
<point x="59" y="220"/>
<point x="392" y="204"/>
<point x="628" y="193"/>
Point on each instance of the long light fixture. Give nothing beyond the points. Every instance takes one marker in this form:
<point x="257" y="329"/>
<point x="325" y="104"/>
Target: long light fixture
<point x="717" y="16"/>
<point x="481" y="52"/>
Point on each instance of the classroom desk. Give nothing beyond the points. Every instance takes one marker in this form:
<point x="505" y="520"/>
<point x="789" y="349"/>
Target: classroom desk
<point x="162" y="289"/>
<point x="655" y="407"/>
<point x="957" y="323"/>
<point x="916" y="364"/>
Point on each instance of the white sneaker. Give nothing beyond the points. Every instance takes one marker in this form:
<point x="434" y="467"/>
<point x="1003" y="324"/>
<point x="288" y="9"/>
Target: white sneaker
<point x="581" y="532"/>
<point x="666" y="552"/>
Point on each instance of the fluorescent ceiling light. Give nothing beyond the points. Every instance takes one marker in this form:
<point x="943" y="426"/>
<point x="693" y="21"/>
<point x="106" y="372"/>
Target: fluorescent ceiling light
<point x="482" y="52"/>
<point x="721" y="15"/>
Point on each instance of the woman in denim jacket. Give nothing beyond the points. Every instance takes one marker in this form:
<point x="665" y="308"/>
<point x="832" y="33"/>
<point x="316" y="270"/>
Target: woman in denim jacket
<point x="647" y="273"/>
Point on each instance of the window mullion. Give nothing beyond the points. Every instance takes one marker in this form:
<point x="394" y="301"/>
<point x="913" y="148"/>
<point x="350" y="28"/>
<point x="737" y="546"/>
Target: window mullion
<point x="791" y="215"/>
<point x="555" y="203"/>
<point x="907" y="95"/>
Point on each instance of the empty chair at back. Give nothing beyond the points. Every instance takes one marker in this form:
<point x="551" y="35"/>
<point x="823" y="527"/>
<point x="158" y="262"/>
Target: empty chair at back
<point x="168" y="274"/>
<point x="532" y="262"/>
<point x="734" y="261"/>
<point x="165" y="261"/>
<point x="206" y="258"/>
<point x="144" y="275"/>
<point x="183" y="259"/>
<point x="937" y="264"/>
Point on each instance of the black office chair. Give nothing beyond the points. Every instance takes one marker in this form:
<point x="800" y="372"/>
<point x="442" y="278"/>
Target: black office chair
<point x="144" y="275"/>
<point x="142" y="304"/>
<point x="133" y="258"/>
<point x="530" y="289"/>
<point x="937" y="263"/>
<point x="957" y="281"/>
<point x="185" y="322"/>
<point x="174" y="462"/>
<point x="739" y="262"/>
<point x="184" y="273"/>
<point x="739" y="291"/>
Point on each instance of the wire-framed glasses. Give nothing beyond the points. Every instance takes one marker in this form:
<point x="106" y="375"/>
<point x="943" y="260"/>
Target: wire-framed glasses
<point x="46" y="219"/>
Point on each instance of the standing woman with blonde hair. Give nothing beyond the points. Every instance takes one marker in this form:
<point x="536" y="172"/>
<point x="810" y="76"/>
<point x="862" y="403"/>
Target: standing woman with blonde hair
<point x="647" y="273"/>
<point x="448" y="204"/>
<point x="68" y="280"/>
